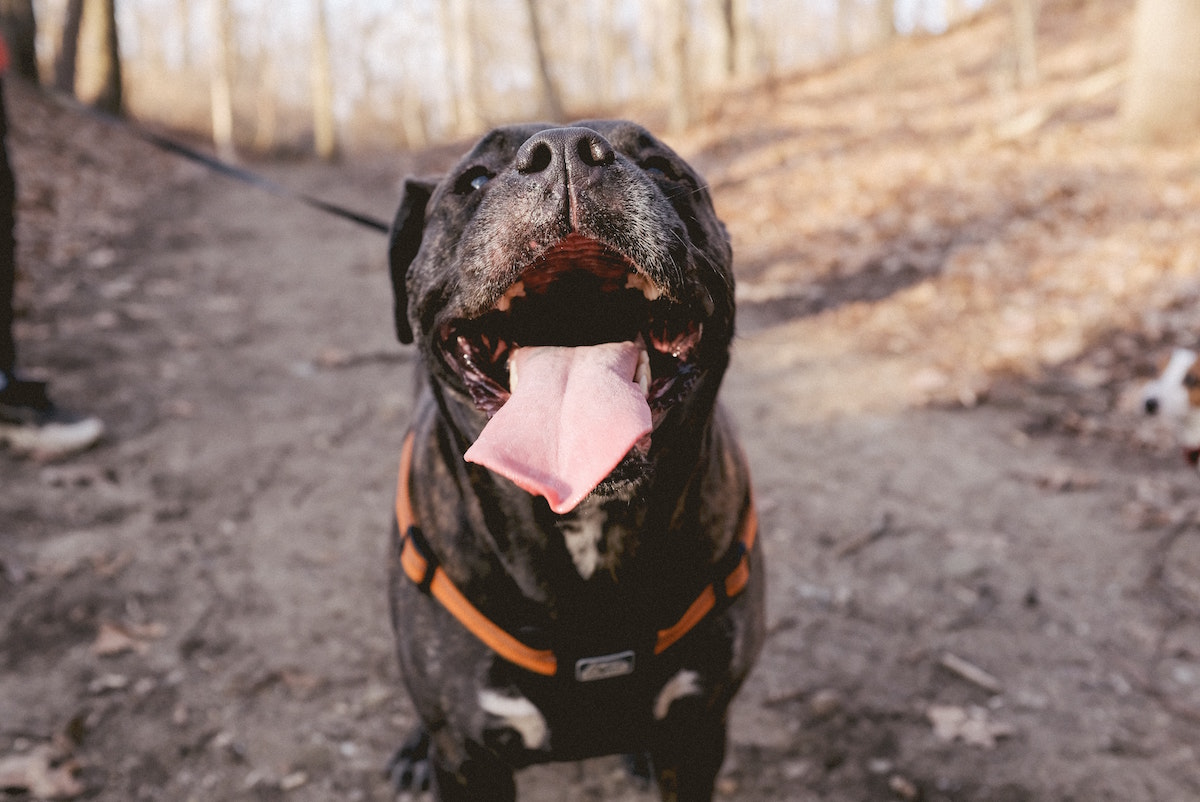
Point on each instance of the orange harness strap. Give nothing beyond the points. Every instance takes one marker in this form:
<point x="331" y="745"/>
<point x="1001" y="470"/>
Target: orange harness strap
<point x="417" y="567"/>
<point x="733" y="584"/>
<point x="422" y="568"/>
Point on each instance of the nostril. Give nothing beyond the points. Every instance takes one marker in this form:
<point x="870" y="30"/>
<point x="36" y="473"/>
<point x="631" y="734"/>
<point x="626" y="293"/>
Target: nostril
<point x="535" y="159"/>
<point x="595" y="151"/>
<point x="569" y="148"/>
<point x="1151" y="406"/>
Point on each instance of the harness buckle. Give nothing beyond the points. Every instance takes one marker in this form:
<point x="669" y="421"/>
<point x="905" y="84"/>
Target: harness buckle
<point x="609" y="666"/>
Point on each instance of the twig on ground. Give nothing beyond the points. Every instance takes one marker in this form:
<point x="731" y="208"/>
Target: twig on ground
<point x="877" y="532"/>
<point x="970" y="672"/>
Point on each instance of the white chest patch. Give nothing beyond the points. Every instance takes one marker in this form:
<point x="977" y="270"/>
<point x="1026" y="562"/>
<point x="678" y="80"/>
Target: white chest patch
<point x="582" y="532"/>
<point x="685" y="683"/>
<point x="516" y="712"/>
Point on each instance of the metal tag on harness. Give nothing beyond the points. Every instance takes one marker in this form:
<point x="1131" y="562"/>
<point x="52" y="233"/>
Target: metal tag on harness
<point x="608" y="666"/>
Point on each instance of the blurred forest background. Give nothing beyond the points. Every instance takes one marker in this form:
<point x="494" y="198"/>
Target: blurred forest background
<point x="957" y="263"/>
<point x="333" y="77"/>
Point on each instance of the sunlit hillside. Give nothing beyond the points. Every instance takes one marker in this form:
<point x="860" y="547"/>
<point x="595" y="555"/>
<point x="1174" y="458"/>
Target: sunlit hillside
<point x="950" y="219"/>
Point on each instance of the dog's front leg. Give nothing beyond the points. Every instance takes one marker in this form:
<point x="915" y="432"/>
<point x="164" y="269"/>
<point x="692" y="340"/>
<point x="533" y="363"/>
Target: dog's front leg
<point x="479" y="778"/>
<point x="418" y="766"/>
<point x="687" y="757"/>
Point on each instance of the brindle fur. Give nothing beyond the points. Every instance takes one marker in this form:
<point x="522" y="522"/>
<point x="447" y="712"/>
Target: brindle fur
<point x="670" y="518"/>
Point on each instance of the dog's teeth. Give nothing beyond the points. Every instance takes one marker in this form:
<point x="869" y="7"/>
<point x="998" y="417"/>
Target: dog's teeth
<point x="512" y="375"/>
<point x="642" y="374"/>
<point x="515" y="291"/>
<point x="636" y="281"/>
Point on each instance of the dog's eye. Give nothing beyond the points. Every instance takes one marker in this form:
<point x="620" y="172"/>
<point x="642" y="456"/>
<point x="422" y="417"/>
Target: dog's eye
<point x="1191" y="381"/>
<point x="474" y="179"/>
<point x="659" y="168"/>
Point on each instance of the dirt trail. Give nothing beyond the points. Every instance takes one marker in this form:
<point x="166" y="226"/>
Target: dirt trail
<point x="988" y="602"/>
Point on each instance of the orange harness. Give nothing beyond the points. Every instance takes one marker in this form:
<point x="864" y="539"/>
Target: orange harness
<point x="420" y="565"/>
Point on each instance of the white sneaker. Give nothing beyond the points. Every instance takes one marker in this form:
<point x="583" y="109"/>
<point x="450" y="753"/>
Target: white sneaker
<point x="31" y="425"/>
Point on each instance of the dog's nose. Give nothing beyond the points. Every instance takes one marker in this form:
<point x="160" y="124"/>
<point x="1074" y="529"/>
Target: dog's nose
<point x="1151" y="406"/>
<point x="572" y="149"/>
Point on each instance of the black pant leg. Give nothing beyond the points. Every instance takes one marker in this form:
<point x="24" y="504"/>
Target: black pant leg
<point x="8" y="246"/>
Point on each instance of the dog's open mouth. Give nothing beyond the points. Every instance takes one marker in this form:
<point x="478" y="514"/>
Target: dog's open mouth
<point x="579" y="293"/>
<point x="576" y="362"/>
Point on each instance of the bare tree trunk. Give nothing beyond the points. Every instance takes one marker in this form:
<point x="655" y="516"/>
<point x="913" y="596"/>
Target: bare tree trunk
<point x="183" y="16"/>
<point x="446" y="18"/>
<point x="1024" y="17"/>
<point x="19" y="27"/>
<point x="98" y="76"/>
<point x="412" y="120"/>
<point x="266" y="103"/>
<point x="680" y="111"/>
<point x="552" y="105"/>
<point x="607" y="47"/>
<point x="729" y="26"/>
<point x="747" y="52"/>
<point x="458" y="32"/>
<point x="954" y="10"/>
<point x="845" y="21"/>
<point x="68" y="49"/>
<point x="886" y="19"/>
<point x="1162" y="94"/>
<point x="221" y="84"/>
<point x="325" y="140"/>
<point x="149" y="32"/>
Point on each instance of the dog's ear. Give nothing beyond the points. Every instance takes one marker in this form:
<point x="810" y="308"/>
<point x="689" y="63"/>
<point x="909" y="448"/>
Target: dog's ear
<point x="403" y="243"/>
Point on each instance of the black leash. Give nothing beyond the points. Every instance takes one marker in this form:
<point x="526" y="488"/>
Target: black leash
<point x="224" y="168"/>
<point x="253" y="179"/>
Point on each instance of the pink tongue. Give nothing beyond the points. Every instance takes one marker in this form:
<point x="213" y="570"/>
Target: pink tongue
<point x="575" y="414"/>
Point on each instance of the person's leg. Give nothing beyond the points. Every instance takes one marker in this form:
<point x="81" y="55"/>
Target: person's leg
<point x="8" y="249"/>
<point x="29" y="422"/>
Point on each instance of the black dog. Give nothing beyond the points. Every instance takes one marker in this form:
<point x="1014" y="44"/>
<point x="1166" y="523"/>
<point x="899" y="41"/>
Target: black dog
<point x="575" y="571"/>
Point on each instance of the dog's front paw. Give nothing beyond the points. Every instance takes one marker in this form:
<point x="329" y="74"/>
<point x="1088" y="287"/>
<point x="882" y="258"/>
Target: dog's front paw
<point x="640" y="768"/>
<point x="409" y="769"/>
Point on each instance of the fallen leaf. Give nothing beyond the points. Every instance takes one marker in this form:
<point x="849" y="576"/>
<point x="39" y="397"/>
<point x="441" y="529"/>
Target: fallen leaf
<point x="300" y="683"/>
<point x="109" y="565"/>
<point x="293" y="781"/>
<point x="180" y="408"/>
<point x="333" y="357"/>
<point x="107" y="683"/>
<point x="113" y="640"/>
<point x="969" y="725"/>
<point x="116" y="639"/>
<point x="1063" y="479"/>
<point x="13" y="570"/>
<point x="40" y="775"/>
<point x="903" y="787"/>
